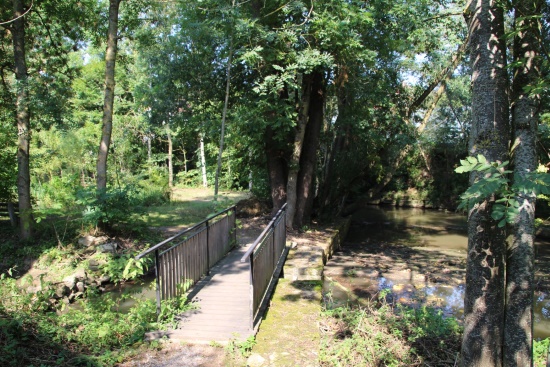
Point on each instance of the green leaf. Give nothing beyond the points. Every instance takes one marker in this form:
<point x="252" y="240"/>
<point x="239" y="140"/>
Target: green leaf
<point x="496" y="215"/>
<point x="472" y="160"/>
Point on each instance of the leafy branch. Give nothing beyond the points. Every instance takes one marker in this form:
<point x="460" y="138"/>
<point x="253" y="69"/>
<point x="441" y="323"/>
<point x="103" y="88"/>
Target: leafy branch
<point x="494" y="180"/>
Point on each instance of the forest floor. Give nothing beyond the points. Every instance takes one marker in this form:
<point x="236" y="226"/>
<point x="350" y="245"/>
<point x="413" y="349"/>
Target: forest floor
<point x="362" y="259"/>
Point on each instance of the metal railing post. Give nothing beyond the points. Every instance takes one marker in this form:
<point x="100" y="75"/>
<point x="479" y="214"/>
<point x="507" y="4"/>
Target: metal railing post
<point x="157" y="278"/>
<point x="251" y="258"/>
<point x="207" y="248"/>
<point x="273" y="244"/>
<point x="234" y="226"/>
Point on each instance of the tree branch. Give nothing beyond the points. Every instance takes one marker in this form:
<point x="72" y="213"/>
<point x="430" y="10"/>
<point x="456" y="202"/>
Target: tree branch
<point x="443" y="75"/>
<point x="21" y="16"/>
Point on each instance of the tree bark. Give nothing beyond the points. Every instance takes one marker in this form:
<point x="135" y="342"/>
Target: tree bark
<point x="277" y="170"/>
<point x="294" y="162"/>
<point x="224" y="114"/>
<point x="170" y="157"/>
<point x="484" y="295"/>
<point x="203" y="162"/>
<point x="23" y="124"/>
<point x="518" y="334"/>
<point x="308" y="158"/>
<point x="108" y="102"/>
<point x="330" y="188"/>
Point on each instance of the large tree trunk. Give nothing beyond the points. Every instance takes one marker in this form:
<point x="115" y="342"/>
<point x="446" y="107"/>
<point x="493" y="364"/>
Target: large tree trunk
<point x="277" y="170"/>
<point x="518" y="334"/>
<point x="484" y="295"/>
<point x="108" y="102"/>
<point x="294" y="162"/>
<point x="23" y="124"/>
<point x="308" y="158"/>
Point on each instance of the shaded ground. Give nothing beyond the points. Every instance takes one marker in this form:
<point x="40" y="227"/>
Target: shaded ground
<point x="175" y="354"/>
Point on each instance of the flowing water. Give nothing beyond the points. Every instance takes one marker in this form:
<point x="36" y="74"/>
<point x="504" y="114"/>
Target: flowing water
<point x="420" y="256"/>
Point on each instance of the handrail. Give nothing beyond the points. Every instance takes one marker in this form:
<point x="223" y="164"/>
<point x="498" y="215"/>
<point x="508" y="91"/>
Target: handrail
<point x="160" y="244"/>
<point x="261" y="236"/>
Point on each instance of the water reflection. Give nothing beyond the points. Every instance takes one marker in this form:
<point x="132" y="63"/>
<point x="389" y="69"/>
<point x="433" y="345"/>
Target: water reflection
<point x="432" y="240"/>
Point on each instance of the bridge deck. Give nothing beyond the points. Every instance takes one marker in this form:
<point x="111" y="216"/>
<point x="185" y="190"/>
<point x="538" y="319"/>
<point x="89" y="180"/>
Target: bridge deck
<point x="223" y="301"/>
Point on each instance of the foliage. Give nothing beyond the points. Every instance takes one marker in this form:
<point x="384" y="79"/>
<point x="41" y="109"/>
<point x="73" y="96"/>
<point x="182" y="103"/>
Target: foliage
<point x="94" y="333"/>
<point x="380" y="334"/>
<point x="540" y="352"/>
<point x="243" y="348"/>
<point x="493" y="179"/>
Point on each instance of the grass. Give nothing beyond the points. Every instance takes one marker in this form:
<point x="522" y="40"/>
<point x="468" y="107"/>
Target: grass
<point x="189" y="206"/>
<point x="382" y="334"/>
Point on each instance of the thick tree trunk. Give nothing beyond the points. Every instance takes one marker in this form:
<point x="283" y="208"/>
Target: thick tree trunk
<point x="203" y="162"/>
<point x="518" y="334"/>
<point x="170" y="157"/>
<point x="277" y="170"/>
<point x="108" y="102"/>
<point x="308" y="158"/>
<point x="294" y="162"/>
<point x="23" y="124"/>
<point x="484" y="295"/>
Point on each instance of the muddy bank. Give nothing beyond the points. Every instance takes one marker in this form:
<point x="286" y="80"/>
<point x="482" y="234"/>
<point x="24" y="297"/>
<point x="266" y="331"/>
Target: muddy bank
<point x="419" y="258"/>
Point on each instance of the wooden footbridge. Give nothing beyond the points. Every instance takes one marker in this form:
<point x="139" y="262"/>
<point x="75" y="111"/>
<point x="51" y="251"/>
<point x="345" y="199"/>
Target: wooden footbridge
<point x="228" y="284"/>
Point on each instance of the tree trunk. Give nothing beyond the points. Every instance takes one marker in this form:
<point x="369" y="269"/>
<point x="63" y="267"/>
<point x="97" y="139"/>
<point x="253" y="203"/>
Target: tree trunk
<point x="484" y="295"/>
<point x="203" y="162"/>
<point x="277" y="170"/>
<point x="224" y="114"/>
<point x="149" y="153"/>
<point x="294" y="162"/>
<point x="308" y="158"/>
<point x="518" y="334"/>
<point x="26" y="220"/>
<point x="330" y="188"/>
<point x="184" y="159"/>
<point x="170" y="157"/>
<point x="108" y="102"/>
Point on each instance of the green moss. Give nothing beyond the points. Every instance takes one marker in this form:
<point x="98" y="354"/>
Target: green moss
<point x="289" y="335"/>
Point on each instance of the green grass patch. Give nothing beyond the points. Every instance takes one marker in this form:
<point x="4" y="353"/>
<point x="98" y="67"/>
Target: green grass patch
<point x="380" y="334"/>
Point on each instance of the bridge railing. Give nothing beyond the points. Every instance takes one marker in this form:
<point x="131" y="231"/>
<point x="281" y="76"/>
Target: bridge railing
<point x="181" y="260"/>
<point x="263" y="257"/>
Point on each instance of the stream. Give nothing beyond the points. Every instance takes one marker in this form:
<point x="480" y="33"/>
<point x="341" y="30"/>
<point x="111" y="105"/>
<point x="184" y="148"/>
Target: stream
<point x="420" y="256"/>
